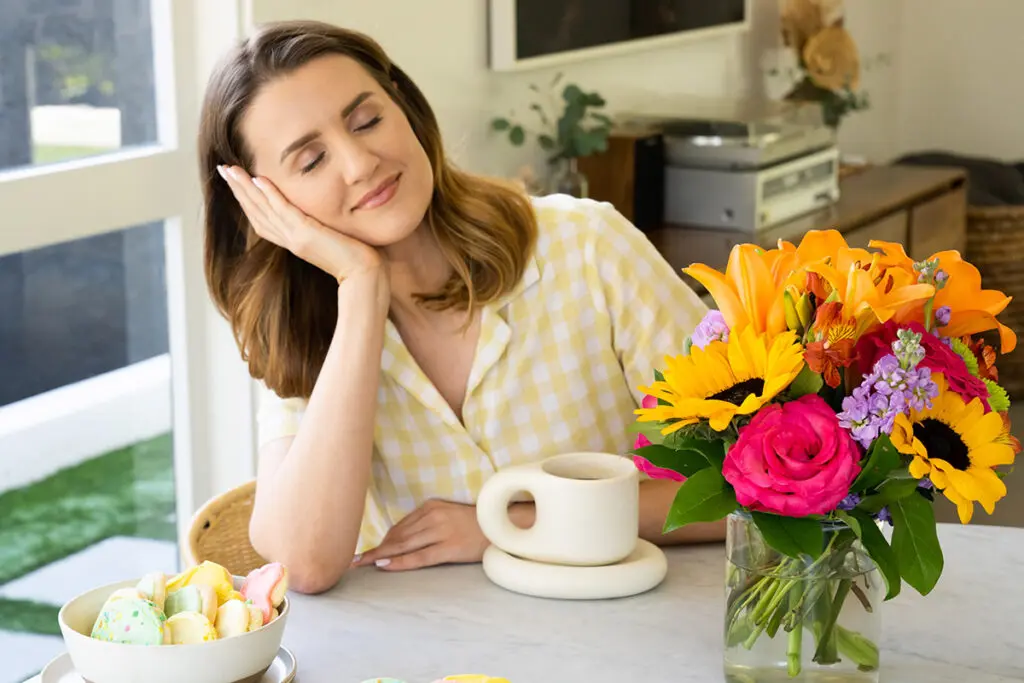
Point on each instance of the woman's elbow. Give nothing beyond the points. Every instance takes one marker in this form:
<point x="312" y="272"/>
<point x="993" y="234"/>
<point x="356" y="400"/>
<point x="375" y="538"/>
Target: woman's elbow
<point x="307" y="573"/>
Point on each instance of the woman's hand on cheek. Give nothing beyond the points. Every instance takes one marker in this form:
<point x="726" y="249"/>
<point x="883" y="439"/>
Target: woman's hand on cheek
<point x="277" y="220"/>
<point x="439" y="532"/>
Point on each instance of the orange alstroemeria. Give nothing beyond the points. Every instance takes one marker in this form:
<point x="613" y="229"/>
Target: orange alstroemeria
<point x="747" y="293"/>
<point x="834" y="338"/>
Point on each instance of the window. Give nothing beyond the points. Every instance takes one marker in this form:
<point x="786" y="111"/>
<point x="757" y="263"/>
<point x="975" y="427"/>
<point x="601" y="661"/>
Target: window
<point x="123" y="404"/>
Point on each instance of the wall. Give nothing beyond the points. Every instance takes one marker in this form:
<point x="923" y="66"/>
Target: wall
<point x="442" y="44"/>
<point x="962" y="77"/>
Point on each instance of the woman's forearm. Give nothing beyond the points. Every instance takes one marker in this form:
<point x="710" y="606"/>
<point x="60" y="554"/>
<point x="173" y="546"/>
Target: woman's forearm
<point x="656" y="496"/>
<point x="310" y="502"/>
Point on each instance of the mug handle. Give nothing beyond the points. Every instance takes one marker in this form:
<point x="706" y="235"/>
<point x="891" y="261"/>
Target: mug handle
<point x="492" y="506"/>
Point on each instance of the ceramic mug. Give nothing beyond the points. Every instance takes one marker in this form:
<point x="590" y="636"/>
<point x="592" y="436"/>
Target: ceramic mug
<point x="587" y="509"/>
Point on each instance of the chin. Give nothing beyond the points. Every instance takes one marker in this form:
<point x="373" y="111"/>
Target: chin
<point x="396" y="220"/>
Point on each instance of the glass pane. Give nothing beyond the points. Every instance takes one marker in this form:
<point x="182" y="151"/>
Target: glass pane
<point x="86" y="463"/>
<point x="76" y="79"/>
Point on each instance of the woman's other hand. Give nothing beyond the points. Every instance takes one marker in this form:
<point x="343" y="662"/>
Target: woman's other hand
<point x="277" y="220"/>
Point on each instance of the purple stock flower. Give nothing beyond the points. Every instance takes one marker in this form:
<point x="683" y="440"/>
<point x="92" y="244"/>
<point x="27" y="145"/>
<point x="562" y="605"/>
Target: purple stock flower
<point x="851" y="501"/>
<point x="884" y="516"/>
<point x="942" y="315"/>
<point x="711" y="328"/>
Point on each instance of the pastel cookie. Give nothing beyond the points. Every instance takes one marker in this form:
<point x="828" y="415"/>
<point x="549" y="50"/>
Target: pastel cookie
<point x="235" y="617"/>
<point x="187" y="628"/>
<point x="129" y="593"/>
<point x="235" y="595"/>
<point x="153" y="587"/>
<point x="216" y="577"/>
<point x="266" y="588"/>
<point x="182" y="579"/>
<point x="192" y="598"/>
<point x="131" y="621"/>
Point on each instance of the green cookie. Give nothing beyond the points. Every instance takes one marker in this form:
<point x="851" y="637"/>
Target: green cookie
<point x="130" y="621"/>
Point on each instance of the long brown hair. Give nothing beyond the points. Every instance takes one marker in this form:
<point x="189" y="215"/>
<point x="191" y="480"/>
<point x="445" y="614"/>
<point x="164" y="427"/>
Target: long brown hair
<point x="282" y="309"/>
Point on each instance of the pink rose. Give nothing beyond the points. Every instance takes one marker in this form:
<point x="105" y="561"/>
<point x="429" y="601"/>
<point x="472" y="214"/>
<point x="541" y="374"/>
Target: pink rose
<point x="645" y="465"/>
<point x="793" y="459"/>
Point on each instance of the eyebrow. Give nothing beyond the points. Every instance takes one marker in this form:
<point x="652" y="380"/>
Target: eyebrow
<point x="309" y="137"/>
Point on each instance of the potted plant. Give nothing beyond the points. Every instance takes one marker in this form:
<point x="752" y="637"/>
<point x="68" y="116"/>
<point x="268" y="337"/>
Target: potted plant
<point x="579" y="130"/>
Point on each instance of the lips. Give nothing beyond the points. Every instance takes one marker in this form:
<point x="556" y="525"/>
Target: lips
<point x="380" y="195"/>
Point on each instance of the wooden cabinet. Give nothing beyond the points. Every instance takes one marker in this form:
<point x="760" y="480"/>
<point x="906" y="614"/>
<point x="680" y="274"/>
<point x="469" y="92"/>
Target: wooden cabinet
<point x="924" y="209"/>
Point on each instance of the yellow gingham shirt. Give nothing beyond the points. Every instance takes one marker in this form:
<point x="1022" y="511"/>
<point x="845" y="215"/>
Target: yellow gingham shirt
<point x="557" y="367"/>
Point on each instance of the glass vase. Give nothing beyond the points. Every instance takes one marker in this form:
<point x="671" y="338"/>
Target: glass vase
<point x="798" y="621"/>
<point x="568" y="179"/>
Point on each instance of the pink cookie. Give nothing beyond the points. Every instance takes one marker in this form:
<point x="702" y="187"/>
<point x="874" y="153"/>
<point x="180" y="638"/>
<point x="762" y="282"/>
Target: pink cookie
<point x="265" y="587"/>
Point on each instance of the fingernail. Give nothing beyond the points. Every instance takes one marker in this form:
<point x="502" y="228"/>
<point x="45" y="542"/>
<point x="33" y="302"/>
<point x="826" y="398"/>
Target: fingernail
<point x="383" y="562"/>
<point x="357" y="558"/>
<point x="258" y="183"/>
<point x="223" y="174"/>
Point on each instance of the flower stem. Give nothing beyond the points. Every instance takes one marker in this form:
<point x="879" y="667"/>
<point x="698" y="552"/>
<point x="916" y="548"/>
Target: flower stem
<point x="794" y="642"/>
<point x="826" y="653"/>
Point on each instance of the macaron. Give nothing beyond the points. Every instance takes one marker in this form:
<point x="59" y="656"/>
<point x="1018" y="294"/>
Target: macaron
<point x="187" y="628"/>
<point x="255" y="616"/>
<point x="265" y="587"/>
<point x="153" y="587"/>
<point x="130" y="621"/>
<point x="192" y="598"/>
<point x="234" y="618"/>
<point x="216" y="577"/>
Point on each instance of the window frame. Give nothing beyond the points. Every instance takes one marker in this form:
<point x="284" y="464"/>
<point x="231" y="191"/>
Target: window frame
<point x="213" y="395"/>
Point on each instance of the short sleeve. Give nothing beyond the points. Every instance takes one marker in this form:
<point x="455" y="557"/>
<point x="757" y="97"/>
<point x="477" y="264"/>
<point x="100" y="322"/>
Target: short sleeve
<point x="652" y="309"/>
<point x="276" y="417"/>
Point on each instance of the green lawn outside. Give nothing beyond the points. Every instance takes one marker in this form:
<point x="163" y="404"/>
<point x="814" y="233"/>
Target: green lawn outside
<point x="48" y="154"/>
<point x="128" y="492"/>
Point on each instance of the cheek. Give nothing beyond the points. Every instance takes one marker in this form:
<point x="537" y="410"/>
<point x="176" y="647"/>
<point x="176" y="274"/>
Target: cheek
<point x="316" y="197"/>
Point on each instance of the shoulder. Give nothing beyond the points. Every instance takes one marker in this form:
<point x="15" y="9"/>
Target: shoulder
<point x="570" y="227"/>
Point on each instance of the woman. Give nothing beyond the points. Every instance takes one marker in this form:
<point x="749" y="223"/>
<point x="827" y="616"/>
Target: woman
<point x="416" y="327"/>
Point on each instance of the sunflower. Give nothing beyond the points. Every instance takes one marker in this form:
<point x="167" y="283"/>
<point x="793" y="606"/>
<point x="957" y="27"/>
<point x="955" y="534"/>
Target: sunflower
<point x="725" y="379"/>
<point x="958" y="445"/>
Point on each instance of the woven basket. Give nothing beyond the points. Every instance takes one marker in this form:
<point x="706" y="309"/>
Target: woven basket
<point x="995" y="244"/>
<point x="220" y="532"/>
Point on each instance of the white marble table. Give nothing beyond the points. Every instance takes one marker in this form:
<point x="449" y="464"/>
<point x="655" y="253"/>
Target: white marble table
<point x="418" y="626"/>
<point x="421" y="625"/>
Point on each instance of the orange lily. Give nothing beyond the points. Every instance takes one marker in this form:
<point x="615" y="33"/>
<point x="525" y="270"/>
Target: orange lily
<point x="833" y="345"/>
<point x="972" y="309"/>
<point x="747" y="293"/>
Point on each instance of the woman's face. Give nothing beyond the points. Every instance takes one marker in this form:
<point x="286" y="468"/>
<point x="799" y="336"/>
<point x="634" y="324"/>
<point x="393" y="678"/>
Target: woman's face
<point x="341" y="150"/>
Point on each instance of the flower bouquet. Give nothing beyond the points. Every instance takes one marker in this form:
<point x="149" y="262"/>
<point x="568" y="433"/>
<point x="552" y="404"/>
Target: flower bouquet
<point x="832" y="399"/>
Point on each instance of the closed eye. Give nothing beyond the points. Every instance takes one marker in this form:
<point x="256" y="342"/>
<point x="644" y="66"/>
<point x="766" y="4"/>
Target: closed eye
<point x="370" y="124"/>
<point x="313" y="164"/>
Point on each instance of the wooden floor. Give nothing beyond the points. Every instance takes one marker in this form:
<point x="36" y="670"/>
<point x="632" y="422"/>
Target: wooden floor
<point x="1010" y="510"/>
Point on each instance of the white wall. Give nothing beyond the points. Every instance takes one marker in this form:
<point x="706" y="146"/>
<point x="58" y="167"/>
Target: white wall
<point x="962" y="77"/>
<point x="442" y="44"/>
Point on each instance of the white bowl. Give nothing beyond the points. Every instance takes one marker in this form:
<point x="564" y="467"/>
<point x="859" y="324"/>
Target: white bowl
<point x="238" y="659"/>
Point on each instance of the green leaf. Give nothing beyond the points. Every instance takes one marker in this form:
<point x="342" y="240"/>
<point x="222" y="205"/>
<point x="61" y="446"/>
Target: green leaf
<point x="807" y="382"/>
<point x="850" y="521"/>
<point x="879" y="550"/>
<point x="793" y="536"/>
<point x="891" y="491"/>
<point x="547" y="142"/>
<point x="500" y="124"/>
<point x="606" y="120"/>
<point x="883" y="458"/>
<point x="713" y="451"/>
<point x="704" y="497"/>
<point x="916" y="543"/>
<point x="686" y="463"/>
<point x="517" y="135"/>
<point x="540" y="113"/>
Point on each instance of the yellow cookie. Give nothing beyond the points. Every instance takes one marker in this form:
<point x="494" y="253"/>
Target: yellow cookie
<point x="216" y="577"/>
<point x="232" y="619"/>
<point x="126" y="594"/>
<point x="255" y="616"/>
<point x="181" y="580"/>
<point x="235" y="595"/>
<point x="187" y="628"/>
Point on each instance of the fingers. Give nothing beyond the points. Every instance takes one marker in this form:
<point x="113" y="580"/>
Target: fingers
<point x="253" y="202"/>
<point x="400" y="542"/>
<point x="425" y="557"/>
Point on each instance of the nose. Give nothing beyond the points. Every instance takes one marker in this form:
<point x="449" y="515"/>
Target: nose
<point x="358" y="162"/>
